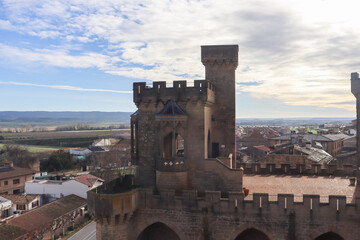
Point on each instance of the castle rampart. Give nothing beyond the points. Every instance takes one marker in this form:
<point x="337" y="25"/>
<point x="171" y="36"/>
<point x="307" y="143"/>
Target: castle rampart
<point x="280" y="219"/>
<point x="202" y="90"/>
<point x="303" y="169"/>
<point x="188" y="184"/>
<point x="355" y="89"/>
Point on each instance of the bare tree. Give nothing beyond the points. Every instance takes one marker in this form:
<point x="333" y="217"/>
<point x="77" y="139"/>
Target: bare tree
<point x="20" y="157"/>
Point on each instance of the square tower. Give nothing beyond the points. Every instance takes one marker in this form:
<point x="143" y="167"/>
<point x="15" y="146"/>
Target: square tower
<point x="184" y="132"/>
<point x="220" y="63"/>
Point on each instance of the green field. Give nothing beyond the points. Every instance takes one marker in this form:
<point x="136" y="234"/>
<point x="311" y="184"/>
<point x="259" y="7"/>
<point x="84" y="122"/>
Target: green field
<point x="305" y="129"/>
<point x="66" y="134"/>
<point x="35" y="148"/>
<point x="47" y="141"/>
<point x="61" y="139"/>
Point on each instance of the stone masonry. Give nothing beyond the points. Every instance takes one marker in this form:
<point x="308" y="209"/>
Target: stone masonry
<point x="355" y="89"/>
<point x="187" y="185"/>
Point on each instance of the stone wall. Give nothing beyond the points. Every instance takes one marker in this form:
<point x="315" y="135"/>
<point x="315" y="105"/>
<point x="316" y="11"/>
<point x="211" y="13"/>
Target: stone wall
<point x="191" y="216"/>
<point x="291" y="159"/>
<point x="171" y="180"/>
<point x="202" y="90"/>
<point x="212" y="174"/>
<point x="313" y="169"/>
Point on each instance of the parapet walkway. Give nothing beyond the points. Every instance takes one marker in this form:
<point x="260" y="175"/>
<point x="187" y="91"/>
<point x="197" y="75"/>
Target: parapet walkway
<point x="300" y="185"/>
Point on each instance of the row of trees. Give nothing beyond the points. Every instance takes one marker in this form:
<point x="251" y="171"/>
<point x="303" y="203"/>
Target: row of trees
<point x="106" y="163"/>
<point x="72" y="127"/>
<point x="84" y="126"/>
<point x="20" y="157"/>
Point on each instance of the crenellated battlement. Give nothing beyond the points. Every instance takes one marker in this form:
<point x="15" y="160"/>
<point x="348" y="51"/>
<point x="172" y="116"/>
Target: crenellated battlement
<point x="236" y="201"/>
<point x="212" y="201"/>
<point x="222" y="55"/>
<point x="296" y="169"/>
<point x="179" y="91"/>
<point x="355" y="84"/>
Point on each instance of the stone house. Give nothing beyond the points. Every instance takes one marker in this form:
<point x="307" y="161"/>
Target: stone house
<point x="5" y="209"/>
<point x="46" y="221"/>
<point x="331" y="143"/>
<point x="23" y="203"/>
<point x="12" y="179"/>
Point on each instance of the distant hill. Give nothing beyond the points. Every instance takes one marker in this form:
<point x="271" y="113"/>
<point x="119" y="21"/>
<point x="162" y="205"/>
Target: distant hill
<point x="291" y="121"/>
<point x="44" y="118"/>
<point x="49" y="118"/>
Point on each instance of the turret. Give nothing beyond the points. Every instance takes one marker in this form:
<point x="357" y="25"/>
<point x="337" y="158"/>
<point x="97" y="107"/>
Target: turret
<point x="355" y="89"/>
<point x="355" y="84"/>
<point x="220" y="64"/>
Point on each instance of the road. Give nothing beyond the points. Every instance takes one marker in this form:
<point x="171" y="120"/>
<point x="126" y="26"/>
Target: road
<point x="86" y="233"/>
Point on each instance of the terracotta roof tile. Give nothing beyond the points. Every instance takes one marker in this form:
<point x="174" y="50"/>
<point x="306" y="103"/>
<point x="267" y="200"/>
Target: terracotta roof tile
<point x="88" y="179"/>
<point x="10" y="232"/>
<point x="263" y="148"/>
<point x="61" y="206"/>
<point x="31" y="221"/>
<point x="10" y="172"/>
<point x="43" y="216"/>
<point x="19" y="199"/>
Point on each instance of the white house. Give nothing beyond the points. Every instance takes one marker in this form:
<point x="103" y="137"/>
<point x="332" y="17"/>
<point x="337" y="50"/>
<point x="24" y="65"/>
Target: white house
<point x="5" y="209"/>
<point x="22" y="203"/>
<point x="53" y="189"/>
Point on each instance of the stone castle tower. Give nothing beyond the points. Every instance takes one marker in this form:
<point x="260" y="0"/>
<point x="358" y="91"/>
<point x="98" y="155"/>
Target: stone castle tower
<point x="355" y="89"/>
<point x="187" y="185"/>
<point x="180" y="133"/>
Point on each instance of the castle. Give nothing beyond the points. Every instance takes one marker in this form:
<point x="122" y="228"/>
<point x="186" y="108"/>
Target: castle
<point x="187" y="184"/>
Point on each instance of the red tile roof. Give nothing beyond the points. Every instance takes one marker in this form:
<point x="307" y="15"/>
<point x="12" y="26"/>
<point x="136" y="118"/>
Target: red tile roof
<point x="20" y="199"/>
<point x="31" y="221"/>
<point x="10" y="232"/>
<point x="88" y="179"/>
<point x="263" y="148"/>
<point x="10" y="172"/>
<point x="43" y="216"/>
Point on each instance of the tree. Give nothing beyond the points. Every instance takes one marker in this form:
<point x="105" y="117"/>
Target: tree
<point x="59" y="160"/>
<point x="111" y="162"/>
<point x="20" y="157"/>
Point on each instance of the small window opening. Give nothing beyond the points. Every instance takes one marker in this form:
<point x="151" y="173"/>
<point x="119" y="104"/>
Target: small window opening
<point x="179" y="145"/>
<point x="173" y="146"/>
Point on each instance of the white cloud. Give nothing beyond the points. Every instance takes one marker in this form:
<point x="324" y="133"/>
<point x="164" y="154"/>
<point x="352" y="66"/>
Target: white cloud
<point x="302" y="50"/>
<point x="58" y="57"/>
<point x="63" y="87"/>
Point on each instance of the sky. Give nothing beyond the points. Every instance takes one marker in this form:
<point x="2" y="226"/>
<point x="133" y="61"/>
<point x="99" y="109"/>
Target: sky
<point x="295" y="57"/>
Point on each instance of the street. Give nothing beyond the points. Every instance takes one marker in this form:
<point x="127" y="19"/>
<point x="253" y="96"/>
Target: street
<point x="86" y="233"/>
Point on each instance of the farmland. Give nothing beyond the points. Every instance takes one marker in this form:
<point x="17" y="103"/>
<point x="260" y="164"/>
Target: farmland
<point x="61" y="139"/>
<point x="34" y="149"/>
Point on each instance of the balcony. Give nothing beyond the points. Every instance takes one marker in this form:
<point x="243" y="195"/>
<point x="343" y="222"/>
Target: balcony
<point x="177" y="164"/>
